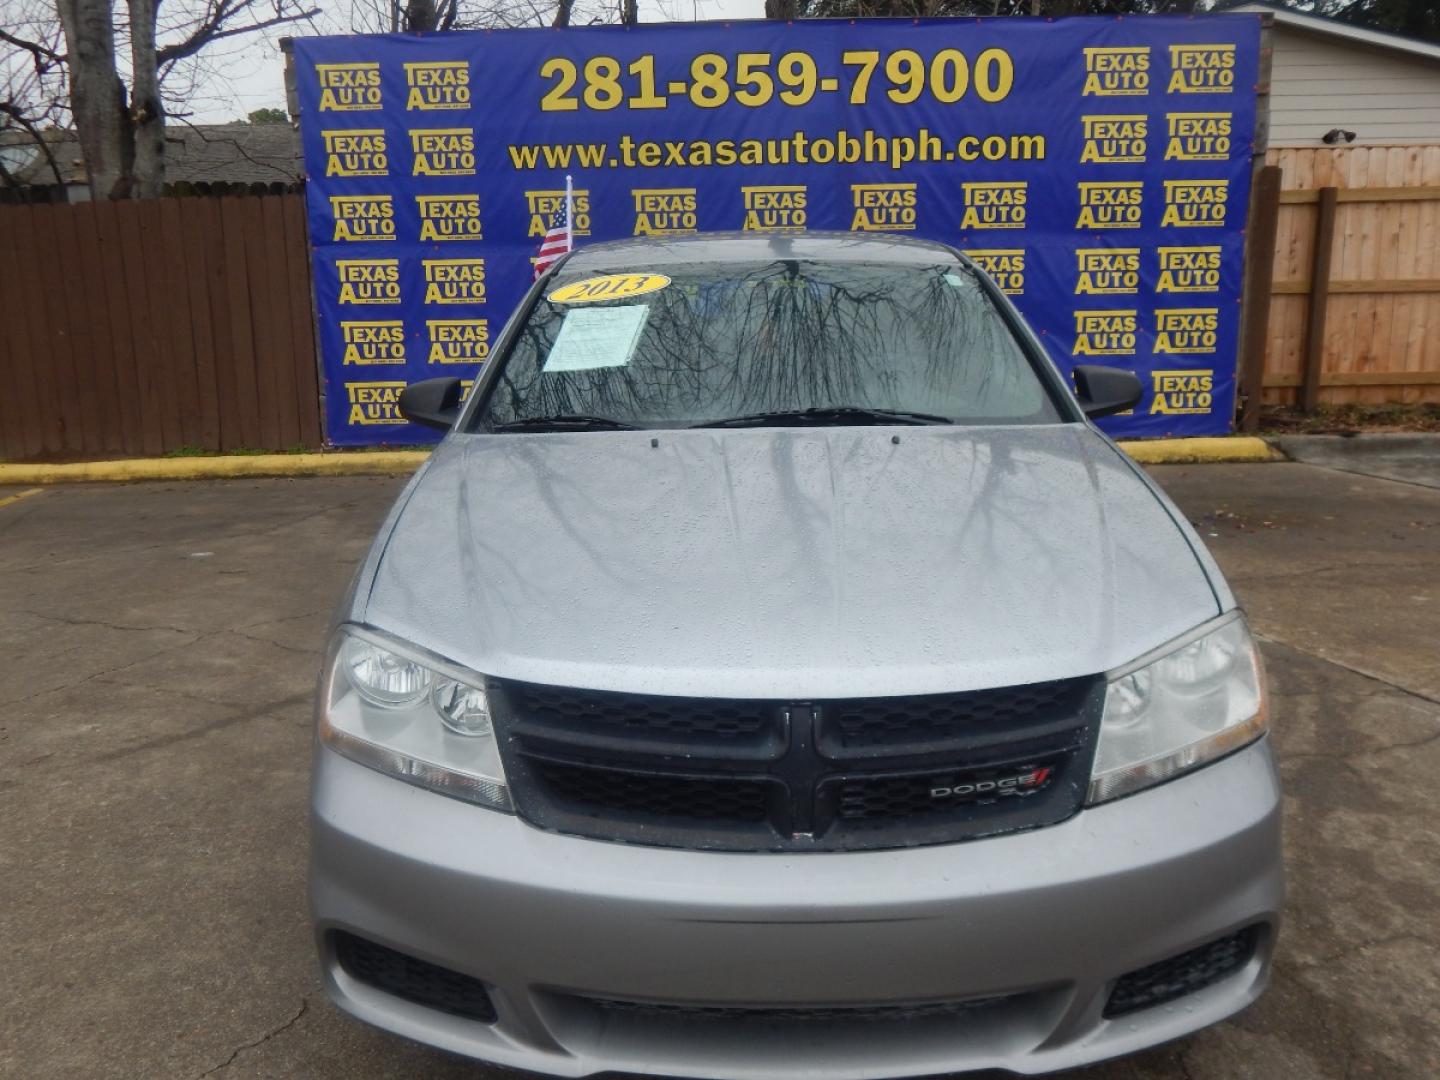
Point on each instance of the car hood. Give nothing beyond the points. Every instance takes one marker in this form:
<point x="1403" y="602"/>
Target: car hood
<point x="786" y="562"/>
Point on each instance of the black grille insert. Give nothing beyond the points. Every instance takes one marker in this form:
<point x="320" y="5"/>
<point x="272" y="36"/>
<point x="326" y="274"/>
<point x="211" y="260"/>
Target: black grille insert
<point x="790" y="1014"/>
<point x="746" y="775"/>
<point x="683" y="796"/>
<point x="413" y="979"/>
<point x="668" y="716"/>
<point x="1180" y="975"/>
<point x="974" y="718"/>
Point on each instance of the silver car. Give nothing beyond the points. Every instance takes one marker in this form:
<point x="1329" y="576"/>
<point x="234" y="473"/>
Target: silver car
<point x="774" y="674"/>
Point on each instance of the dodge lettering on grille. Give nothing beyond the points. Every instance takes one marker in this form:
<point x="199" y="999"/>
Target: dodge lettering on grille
<point x="1019" y="784"/>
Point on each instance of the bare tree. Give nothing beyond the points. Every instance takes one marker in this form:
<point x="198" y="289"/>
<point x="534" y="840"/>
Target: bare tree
<point x="421" y="15"/>
<point x="32" y="84"/>
<point x="391" y="16"/>
<point x="147" y="114"/>
<point x="114" y="72"/>
<point x="968" y="8"/>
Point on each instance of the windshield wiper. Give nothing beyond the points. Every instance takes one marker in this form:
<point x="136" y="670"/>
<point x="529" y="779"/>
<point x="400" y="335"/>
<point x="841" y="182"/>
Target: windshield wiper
<point x="564" y="422"/>
<point x="834" y="414"/>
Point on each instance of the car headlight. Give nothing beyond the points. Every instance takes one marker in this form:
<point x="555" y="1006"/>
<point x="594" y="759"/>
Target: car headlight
<point x="1186" y="704"/>
<point x="411" y="715"/>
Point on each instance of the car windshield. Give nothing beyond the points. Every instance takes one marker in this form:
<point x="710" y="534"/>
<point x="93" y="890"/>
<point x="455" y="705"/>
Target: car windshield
<point x="785" y="341"/>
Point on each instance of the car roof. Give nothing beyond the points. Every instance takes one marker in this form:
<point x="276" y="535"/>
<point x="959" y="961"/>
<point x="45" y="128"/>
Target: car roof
<point x="644" y="252"/>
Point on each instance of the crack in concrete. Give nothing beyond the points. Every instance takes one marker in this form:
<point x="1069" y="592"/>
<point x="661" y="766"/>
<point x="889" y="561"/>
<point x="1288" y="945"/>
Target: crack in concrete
<point x="170" y="691"/>
<point x="286" y="1026"/>
<point x="112" y="670"/>
<point x="1424" y="485"/>
<point x="116" y="552"/>
<point x="69" y="621"/>
<point x="161" y="741"/>
<point x="197" y="639"/>
<point x="1320" y="755"/>
<point x="237" y="630"/>
<point x="270" y="641"/>
<point x="1371" y="676"/>
<point x="179" y="543"/>
<point x="283" y="619"/>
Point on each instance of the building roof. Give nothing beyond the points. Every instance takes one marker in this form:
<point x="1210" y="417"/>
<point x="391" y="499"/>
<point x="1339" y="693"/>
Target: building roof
<point x="194" y="154"/>
<point x="24" y="161"/>
<point x="235" y="154"/>
<point x="1321" y="24"/>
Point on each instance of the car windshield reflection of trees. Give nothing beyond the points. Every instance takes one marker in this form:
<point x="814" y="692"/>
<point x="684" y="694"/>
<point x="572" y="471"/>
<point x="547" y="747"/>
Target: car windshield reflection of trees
<point x="728" y="339"/>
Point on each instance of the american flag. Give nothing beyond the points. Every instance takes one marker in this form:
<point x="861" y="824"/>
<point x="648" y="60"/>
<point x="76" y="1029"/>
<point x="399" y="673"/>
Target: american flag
<point x="558" y="239"/>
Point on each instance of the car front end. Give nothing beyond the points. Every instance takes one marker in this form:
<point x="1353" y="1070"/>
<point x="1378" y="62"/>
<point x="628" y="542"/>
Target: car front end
<point x="791" y="749"/>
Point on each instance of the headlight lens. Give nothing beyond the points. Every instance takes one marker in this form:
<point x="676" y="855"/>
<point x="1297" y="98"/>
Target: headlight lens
<point x="382" y="677"/>
<point x="463" y="709"/>
<point x="404" y="712"/>
<point x="1201" y="698"/>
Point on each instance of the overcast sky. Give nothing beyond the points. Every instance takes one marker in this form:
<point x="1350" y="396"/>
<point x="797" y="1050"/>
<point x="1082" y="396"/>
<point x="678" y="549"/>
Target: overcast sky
<point x="251" y="74"/>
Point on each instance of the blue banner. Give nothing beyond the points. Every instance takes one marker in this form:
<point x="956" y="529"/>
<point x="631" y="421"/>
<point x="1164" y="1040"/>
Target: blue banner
<point x="1097" y="168"/>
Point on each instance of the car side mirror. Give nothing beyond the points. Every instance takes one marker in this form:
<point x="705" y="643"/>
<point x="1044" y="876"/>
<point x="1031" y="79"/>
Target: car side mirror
<point x="432" y="402"/>
<point x="1100" y="390"/>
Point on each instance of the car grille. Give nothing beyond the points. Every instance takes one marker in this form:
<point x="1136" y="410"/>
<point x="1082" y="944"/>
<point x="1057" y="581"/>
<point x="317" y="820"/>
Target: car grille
<point x="746" y="775"/>
<point x="790" y="1014"/>
<point x="1177" y="976"/>
<point x="699" y="717"/>
<point x="413" y="979"/>
<point x="655" y="794"/>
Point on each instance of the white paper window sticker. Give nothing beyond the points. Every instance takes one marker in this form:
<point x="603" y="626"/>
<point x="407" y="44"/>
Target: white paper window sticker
<point x="597" y="337"/>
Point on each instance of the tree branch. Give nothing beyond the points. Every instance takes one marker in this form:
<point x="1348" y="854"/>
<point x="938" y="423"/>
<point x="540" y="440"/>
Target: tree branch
<point x="41" y="53"/>
<point x="213" y="29"/>
<point x="9" y="109"/>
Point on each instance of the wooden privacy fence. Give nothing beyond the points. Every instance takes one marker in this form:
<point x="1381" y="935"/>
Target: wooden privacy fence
<point x="152" y="326"/>
<point x="1355" y="298"/>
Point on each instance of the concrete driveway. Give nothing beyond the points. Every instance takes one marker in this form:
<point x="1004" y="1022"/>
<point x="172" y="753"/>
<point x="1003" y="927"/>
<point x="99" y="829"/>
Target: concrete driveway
<point x="160" y="643"/>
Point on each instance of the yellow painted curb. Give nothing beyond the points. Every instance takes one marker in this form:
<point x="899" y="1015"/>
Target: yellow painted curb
<point x="370" y="463"/>
<point x="395" y="462"/>
<point x="1230" y="448"/>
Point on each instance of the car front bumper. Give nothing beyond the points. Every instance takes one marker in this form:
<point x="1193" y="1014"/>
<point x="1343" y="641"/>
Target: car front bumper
<point x="560" y="929"/>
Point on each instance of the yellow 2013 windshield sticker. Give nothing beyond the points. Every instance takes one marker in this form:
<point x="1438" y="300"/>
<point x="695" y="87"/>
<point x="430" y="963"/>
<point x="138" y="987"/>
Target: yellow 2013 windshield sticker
<point x="608" y="287"/>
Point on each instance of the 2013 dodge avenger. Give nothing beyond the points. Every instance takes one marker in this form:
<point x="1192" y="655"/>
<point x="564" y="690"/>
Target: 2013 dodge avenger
<point x="775" y="674"/>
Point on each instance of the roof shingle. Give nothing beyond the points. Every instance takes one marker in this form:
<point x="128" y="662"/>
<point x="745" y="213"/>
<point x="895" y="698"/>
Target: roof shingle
<point x="194" y="154"/>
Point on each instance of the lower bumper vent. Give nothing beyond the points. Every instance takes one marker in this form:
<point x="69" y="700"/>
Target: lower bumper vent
<point x="1180" y="975"/>
<point x="412" y="979"/>
<point x="788" y="1014"/>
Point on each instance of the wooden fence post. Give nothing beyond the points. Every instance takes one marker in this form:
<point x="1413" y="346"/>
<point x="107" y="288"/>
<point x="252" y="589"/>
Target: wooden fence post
<point x="1259" y="279"/>
<point x="1319" y="299"/>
